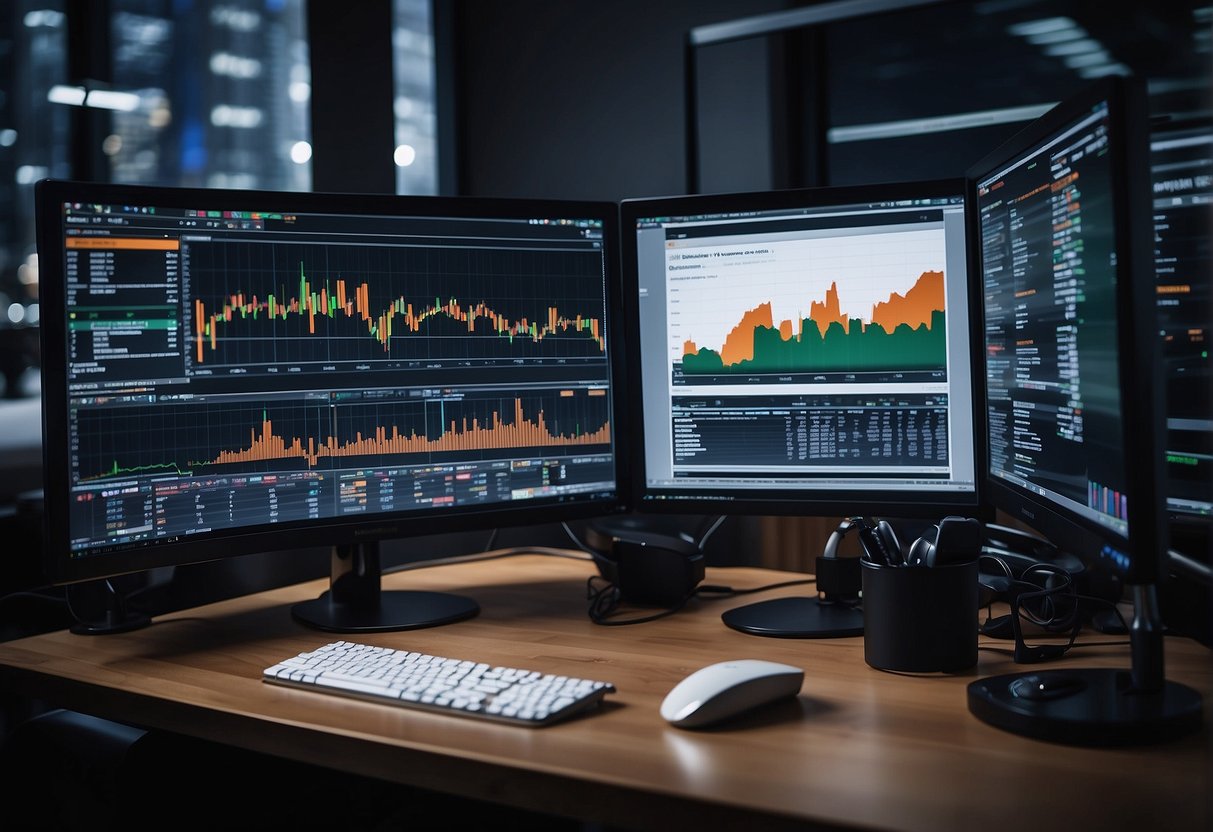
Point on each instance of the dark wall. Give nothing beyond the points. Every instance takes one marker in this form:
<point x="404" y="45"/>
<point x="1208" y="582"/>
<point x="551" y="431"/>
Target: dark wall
<point x="576" y="99"/>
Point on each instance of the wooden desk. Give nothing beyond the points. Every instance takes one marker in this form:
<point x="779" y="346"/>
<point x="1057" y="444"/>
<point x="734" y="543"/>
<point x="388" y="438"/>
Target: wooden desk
<point x="859" y="748"/>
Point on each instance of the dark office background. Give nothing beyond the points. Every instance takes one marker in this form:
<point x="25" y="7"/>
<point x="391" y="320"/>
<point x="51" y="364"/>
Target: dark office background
<point x="575" y="99"/>
<point x="586" y="99"/>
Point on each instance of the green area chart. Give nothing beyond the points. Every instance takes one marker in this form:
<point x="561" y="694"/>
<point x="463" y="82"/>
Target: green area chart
<point x="857" y="348"/>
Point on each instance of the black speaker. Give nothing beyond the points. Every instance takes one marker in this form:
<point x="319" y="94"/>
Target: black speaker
<point x="649" y="567"/>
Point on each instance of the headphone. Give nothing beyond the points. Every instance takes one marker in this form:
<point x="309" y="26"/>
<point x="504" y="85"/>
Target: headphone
<point x="839" y="579"/>
<point x="952" y="540"/>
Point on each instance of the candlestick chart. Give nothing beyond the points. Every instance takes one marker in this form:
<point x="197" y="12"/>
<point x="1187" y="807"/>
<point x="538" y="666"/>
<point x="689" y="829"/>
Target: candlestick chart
<point x="261" y="304"/>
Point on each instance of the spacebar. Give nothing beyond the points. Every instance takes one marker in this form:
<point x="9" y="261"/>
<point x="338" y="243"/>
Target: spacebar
<point x="356" y="686"/>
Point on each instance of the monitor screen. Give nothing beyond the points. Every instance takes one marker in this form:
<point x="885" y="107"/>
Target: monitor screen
<point x="1181" y="166"/>
<point x="802" y="350"/>
<point x="1069" y="368"/>
<point x="237" y="371"/>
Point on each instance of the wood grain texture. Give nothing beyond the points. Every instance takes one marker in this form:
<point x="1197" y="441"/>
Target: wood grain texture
<point x="859" y="748"/>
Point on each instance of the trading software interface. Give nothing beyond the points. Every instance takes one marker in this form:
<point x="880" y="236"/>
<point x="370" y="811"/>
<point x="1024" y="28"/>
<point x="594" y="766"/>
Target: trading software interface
<point x="816" y="349"/>
<point x="1181" y="163"/>
<point x="1048" y="273"/>
<point x="232" y="368"/>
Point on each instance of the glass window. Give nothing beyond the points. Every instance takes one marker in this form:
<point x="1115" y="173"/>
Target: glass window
<point x="416" y="153"/>
<point x="216" y="94"/>
<point x="33" y="145"/>
<point x="166" y="92"/>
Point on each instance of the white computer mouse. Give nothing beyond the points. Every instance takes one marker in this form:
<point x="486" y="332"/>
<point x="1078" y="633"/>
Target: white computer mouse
<point x="726" y="689"/>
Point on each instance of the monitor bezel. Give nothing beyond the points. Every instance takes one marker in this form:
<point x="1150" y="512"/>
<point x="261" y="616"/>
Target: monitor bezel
<point x="892" y="504"/>
<point x="60" y="568"/>
<point x="1139" y="376"/>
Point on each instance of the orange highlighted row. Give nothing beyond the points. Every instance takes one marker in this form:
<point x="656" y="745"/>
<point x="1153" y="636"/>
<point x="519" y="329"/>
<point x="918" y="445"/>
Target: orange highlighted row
<point x="135" y="243"/>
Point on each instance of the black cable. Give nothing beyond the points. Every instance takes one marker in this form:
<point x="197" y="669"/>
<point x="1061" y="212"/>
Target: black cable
<point x="711" y="530"/>
<point x="577" y="541"/>
<point x="492" y="539"/>
<point x="729" y="592"/>
<point x="476" y="557"/>
<point x="605" y="599"/>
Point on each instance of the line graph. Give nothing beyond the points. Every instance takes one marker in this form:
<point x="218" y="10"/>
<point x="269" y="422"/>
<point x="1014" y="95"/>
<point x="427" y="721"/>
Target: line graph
<point x="273" y="303"/>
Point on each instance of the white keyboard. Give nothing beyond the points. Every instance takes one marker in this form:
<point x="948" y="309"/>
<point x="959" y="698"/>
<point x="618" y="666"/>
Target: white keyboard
<point x="438" y="683"/>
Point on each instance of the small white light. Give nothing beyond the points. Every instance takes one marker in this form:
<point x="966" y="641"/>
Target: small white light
<point x="29" y="174"/>
<point x="226" y="115"/>
<point x="27" y="272"/>
<point x="1104" y="69"/>
<point x="1074" y="47"/>
<point x="110" y="100"/>
<point x="16" y="313"/>
<point x="1042" y="26"/>
<point x="1060" y="36"/>
<point x="405" y="155"/>
<point x="8" y="137"/>
<point x="238" y="20"/>
<point x="1088" y="59"/>
<point x="301" y="152"/>
<point x="43" y="17"/>
<point x="112" y="145"/>
<point x="63" y="94"/>
<point x="299" y="91"/>
<point x="234" y="66"/>
<point x="32" y="313"/>
<point x="160" y="117"/>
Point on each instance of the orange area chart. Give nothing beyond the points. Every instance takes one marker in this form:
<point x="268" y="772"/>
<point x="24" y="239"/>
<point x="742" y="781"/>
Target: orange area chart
<point x="457" y="436"/>
<point x="914" y="307"/>
<point x="739" y="344"/>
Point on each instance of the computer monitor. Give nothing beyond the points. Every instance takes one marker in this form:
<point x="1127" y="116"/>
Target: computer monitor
<point x="1060" y="223"/>
<point x="801" y="352"/>
<point x="1181" y="175"/>
<point x="229" y="372"/>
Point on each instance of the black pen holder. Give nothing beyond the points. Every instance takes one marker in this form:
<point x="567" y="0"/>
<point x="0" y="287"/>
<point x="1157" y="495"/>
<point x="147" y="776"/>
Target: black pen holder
<point x="920" y="619"/>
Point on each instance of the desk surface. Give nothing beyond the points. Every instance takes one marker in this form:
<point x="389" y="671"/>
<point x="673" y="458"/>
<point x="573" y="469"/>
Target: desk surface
<point x="859" y="747"/>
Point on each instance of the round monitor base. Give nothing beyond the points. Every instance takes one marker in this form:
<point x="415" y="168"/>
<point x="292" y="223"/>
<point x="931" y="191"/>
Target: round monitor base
<point x="395" y="610"/>
<point x="801" y="617"/>
<point x="1085" y="706"/>
<point x="124" y="624"/>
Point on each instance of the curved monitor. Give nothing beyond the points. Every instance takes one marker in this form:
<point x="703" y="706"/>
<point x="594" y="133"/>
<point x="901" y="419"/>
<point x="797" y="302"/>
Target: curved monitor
<point x="227" y="372"/>
<point x="802" y="351"/>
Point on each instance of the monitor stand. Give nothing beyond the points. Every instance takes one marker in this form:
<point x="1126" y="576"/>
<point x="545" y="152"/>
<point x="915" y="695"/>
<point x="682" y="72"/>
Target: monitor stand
<point x="1096" y="706"/>
<point x="354" y="602"/>
<point x="834" y="612"/>
<point x="118" y="617"/>
<point x="797" y="617"/>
